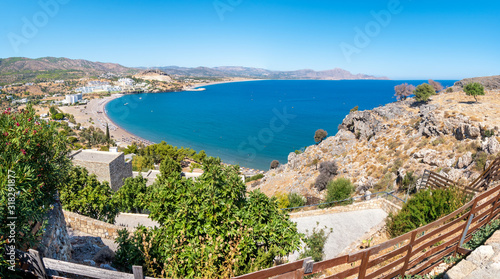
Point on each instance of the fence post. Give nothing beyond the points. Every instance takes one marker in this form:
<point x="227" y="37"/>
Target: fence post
<point x="364" y="264"/>
<point x="137" y="269"/>
<point x="37" y="263"/>
<point x="308" y="265"/>
<point x="408" y="253"/>
<point x="466" y="228"/>
<point x="493" y="208"/>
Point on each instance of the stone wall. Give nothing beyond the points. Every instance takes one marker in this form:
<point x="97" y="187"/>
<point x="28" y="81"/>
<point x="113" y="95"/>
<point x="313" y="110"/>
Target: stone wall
<point x="92" y="226"/>
<point x="379" y="203"/>
<point x="55" y="243"/>
<point x="118" y="171"/>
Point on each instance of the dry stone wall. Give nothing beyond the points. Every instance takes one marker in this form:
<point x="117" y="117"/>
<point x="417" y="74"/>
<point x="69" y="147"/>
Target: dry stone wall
<point x="92" y="226"/>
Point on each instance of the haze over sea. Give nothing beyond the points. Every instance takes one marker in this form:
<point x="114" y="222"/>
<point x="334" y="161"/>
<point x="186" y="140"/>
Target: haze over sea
<point x="250" y="123"/>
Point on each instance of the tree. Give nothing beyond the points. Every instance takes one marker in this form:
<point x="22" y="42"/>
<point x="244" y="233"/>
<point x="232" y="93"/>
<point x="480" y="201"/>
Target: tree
<point x="108" y="138"/>
<point x="423" y="92"/>
<point x="403" y="91"/>
<point x="474" y="89"/>
<point x="85" y="195"/>
<point x="274" y="164"/>
<point x="131" y="196"/>
<point x="58" y="116"/>
<point x="33" y="166"/>
<point x="212" y="227"/>
<point x="320" y="135"/>
<point x="436" y="85"/>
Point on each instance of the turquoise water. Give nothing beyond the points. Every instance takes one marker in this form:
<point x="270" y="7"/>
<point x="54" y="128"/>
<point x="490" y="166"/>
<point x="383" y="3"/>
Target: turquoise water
<point x="249" y="123"/>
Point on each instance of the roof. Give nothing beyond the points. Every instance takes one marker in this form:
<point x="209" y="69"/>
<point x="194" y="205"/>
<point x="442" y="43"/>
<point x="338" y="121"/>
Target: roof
<point x="95" y="156"/>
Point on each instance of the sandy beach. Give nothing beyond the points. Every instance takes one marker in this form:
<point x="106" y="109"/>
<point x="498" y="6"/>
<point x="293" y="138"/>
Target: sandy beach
<point x="94" y="114"/>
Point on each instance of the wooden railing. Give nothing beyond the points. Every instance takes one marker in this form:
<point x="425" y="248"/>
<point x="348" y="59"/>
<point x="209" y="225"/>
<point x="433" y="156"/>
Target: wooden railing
<point x="416" y="252"/>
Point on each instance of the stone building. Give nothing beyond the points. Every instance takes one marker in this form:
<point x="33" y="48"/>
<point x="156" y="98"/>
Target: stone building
<point x="107" y="166"/>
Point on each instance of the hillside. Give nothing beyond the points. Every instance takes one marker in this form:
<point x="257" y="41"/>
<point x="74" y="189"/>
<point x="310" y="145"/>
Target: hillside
<point x="228" y="71"/>
<point x="18" y="69"/>
<point x="374" y="148"/>
<point x="492" y="82"/>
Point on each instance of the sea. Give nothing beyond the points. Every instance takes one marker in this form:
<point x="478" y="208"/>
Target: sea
<point x="250" y="123"/>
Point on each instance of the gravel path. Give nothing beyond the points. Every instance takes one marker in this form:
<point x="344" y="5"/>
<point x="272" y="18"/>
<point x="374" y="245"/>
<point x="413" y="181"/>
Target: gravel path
<point x="347" y="228"/>
<point x="133" y="220"/>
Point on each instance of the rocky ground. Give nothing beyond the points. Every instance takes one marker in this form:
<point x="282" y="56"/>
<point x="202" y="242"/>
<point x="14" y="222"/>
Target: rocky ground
<point x="451" y="134"/>
<point x="482" y="263"/>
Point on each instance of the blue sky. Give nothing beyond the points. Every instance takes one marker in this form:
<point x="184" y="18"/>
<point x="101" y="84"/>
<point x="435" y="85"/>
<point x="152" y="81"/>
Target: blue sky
<point x="410" y="40"/>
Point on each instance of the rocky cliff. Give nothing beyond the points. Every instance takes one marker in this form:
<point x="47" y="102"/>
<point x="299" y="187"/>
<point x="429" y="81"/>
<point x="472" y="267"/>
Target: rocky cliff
<point x="375" y="148"/>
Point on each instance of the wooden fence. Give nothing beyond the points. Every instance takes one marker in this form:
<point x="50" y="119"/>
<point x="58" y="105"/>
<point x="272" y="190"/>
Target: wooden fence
<point x="416" y="252"/>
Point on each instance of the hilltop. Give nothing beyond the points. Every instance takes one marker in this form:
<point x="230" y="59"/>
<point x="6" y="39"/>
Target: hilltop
<point x="19" y="69"/>
<point x="450" y="135"/>
<point x="248" y="72"/>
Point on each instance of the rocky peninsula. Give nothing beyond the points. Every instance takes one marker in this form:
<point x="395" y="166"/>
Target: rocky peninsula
<point x="450" y="134"/>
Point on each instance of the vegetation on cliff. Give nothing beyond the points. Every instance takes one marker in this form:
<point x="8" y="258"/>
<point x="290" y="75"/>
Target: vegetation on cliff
<point x="34" y="166"/>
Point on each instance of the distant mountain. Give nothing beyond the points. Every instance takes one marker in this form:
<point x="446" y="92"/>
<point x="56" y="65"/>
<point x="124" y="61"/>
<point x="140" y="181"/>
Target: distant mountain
<point x="19" y="69"/>
<point x="235" y="71"/>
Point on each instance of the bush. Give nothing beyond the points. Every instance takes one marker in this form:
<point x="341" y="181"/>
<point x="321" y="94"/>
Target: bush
<point x="474" y="89"/>
<point x="339" y="189"/>
<point x="403" y="91"/>
<point x="408" y="181"/>
<point x="274" y="164"/>
<point x="131" y="196"/>
<point x="436" y="85"/>
<point x="282" y="200"/>
<point x="354" y="109"/>
<point x="296" y="200"/>
<point x="423" y="92"/>
<point x="424" y="208"/>
<point x="209" y="227"/>
<point x="85" y="195"/>
<point x="255" y="177"/>
<point x="34" y="165"/>
<point x="315" y="244"/>
<point x="480" y="158"/>
<point x="320" y="135"/>
<point x="327" y="170"/>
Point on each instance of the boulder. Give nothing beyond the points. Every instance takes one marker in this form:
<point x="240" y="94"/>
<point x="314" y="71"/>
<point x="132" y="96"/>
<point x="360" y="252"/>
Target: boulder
<point x="461" y="270"/>
<point x="361" y="123"/>
<point x="481" y="255"/>
<point x="490" y="146"/>
<point x="464" y="161"/>
<point x="472" y="132"/>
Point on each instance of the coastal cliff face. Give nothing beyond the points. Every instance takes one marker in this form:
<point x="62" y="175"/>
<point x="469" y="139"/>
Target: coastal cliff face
<point x="450" y="135"/>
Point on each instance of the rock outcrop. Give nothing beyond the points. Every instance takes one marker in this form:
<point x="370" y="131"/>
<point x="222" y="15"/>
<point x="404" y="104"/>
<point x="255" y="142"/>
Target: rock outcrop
<point x="376" y="148"/>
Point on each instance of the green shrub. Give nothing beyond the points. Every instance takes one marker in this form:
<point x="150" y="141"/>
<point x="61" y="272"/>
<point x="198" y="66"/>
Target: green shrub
<point x="85" y="195"/>
<point x="315" y="244"/>
<point x="131" y="196"/>
<point x="356" y="108"/>
<point x="474" y="89"/>
<point x="423" y="92"/>
<point x="296" y="200"/>
<point x="480" y="158"/>
<point x="255" y="177"/>
<point x="408" y="181"/>
<point x="489" y="133"/>
<point x="424" y="208"/>
<point x="209" y="227"/>
<point x="339" y="189"/>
